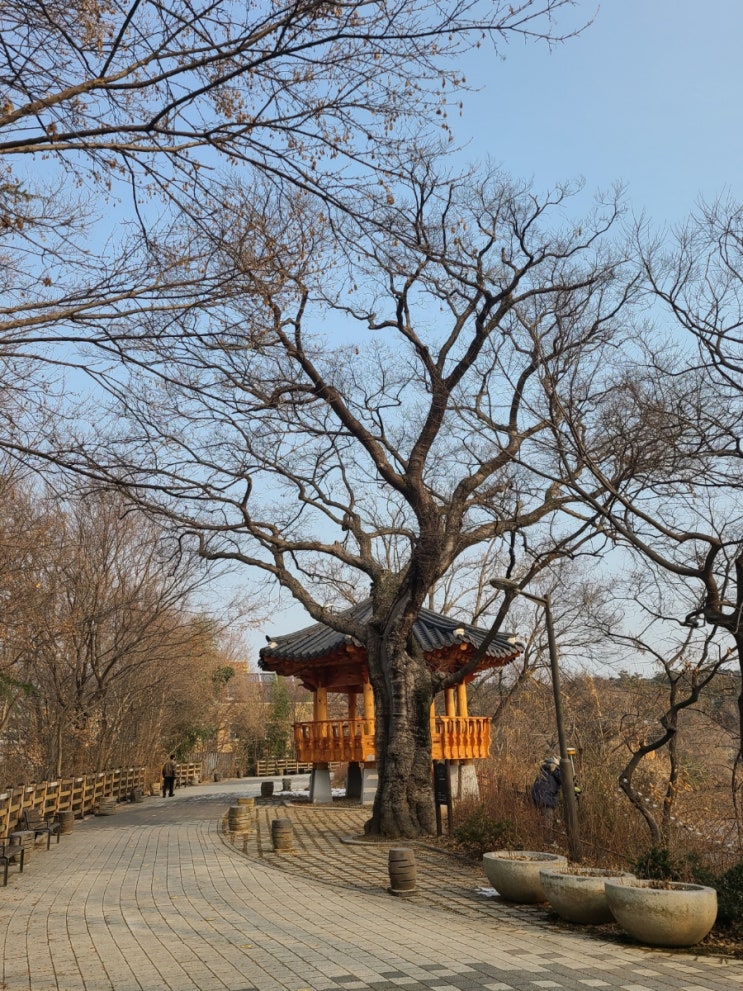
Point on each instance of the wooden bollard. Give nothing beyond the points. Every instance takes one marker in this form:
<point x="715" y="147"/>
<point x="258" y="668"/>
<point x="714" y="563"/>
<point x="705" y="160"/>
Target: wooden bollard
<point x="402" y="871"/>
<point x="282" y="835"/>
<point x="107" y="806"/>
<point x="239" y="818"/>
<point x="24" y="838"/>
<point x="66" y="820"/>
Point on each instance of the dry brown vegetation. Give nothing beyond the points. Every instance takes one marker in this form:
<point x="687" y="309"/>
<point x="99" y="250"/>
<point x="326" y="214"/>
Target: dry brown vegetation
<point x="103" y="661"/>
<point x="608" y="718"/>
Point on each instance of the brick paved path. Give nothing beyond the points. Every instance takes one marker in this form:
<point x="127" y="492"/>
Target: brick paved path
<point x="159" y="898"/>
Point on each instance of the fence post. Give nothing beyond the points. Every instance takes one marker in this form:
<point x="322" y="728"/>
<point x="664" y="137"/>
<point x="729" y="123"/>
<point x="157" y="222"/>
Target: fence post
<point x="51" y="800"/>
<point x="64" y="800"/>
<point x="5" y="813"/>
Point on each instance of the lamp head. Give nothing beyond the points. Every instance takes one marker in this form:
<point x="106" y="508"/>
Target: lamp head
<point x="505" y="584"/>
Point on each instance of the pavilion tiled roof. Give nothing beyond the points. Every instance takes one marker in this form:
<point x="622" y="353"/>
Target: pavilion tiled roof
<point x="434" y="633"/>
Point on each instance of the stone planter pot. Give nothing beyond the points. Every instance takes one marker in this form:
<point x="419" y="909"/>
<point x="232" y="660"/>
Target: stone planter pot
<point x="515" y="873"/>
<point x="578" y="894"/>
<point x="662" y="913"/>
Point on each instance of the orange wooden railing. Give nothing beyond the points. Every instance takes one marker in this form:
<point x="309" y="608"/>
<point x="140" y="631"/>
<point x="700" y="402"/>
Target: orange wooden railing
<point x="340" y="740"/>
<point x="335" y="740"/>
<point x="460" y="737"/>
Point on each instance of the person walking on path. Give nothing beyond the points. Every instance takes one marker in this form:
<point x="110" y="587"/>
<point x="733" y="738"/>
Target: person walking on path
<point x="169" y="772"/>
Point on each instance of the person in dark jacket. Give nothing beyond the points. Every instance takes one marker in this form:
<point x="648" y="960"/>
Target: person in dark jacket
<point x="546" y="788"/>
<point x="169" y="773"/>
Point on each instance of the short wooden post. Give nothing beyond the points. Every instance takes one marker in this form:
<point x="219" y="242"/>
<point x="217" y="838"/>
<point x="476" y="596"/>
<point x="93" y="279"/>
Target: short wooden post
<point x="402" y="871"/>
<point x="282" y="835"/>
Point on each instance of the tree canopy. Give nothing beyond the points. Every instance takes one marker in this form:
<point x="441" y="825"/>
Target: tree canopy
<point x="361" y="436"/>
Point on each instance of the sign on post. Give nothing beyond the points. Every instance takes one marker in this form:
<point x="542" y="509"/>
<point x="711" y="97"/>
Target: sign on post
<point x="441" y="793"/>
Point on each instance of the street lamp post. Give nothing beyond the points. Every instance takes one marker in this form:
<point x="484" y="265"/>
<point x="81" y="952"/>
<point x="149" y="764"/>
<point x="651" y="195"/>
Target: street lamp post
<point x="566" y="764"/>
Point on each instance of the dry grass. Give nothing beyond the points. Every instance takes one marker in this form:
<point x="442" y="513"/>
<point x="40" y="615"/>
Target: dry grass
<point x="613" y="833"/>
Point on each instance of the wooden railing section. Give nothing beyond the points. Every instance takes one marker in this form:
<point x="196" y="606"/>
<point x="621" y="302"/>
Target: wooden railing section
<point x="275" y="766"/>
<point x="460" y="737"/>
<point x="339" y="740"/>
<point x="81" y="794"/>
<point x="335" y="740"/>
<point x="188" y="774"/>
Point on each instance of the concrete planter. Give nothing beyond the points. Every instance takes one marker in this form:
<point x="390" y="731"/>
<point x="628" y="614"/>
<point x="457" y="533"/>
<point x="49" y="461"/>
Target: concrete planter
<point x="662" y="913"/>
<point x="578" y="894"/>
<point x="515" y="873"/>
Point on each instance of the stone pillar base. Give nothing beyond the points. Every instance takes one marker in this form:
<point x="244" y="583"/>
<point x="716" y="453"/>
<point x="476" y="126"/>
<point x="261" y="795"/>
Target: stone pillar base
<point x="369" y="782"/>
<point x="354" y="781"/>
<point x="320" y="791"/>
<point x="463" y="781"/>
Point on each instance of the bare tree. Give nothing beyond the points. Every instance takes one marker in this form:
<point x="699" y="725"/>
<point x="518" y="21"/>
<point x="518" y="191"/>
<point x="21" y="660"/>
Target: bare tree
<point x="666" y="453"/>
<point x="686" y="663"/>
<point x="148" y="87"/>
<point x="114" y="118"/>
<point x="23" y="535"/>
<point x="148" y="112"/>
<point x="584" y="612"/>
<point x="99" y="636"/>
<point x="300" y="429"/>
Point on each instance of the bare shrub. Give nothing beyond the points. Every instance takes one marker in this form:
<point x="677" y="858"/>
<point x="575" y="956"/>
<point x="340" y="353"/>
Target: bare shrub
<point x="613" y="833"/>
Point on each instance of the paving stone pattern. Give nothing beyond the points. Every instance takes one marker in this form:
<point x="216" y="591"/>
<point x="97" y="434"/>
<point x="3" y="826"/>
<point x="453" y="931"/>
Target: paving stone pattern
<point x="158" y="897"/>
<point x="329" y="848"/>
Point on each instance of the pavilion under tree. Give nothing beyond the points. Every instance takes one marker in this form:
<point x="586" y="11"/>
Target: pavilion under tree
<point x="326" y="661"/>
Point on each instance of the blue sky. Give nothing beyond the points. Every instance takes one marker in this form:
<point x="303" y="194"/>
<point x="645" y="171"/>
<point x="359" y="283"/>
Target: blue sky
<point x="649" y="94"/>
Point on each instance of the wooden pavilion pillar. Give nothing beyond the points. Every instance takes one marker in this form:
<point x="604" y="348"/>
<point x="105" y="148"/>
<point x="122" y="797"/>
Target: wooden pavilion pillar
<point x="320" y="704"/>
<point x="464" y="776"/>
<point x="368" y="770"/>
<point x="462" y="700"/>
<point x="461" y="772"/>
<point x="368" y="696"/>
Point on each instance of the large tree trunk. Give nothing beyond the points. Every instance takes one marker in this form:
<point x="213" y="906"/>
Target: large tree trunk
<point x="404" y="804"/>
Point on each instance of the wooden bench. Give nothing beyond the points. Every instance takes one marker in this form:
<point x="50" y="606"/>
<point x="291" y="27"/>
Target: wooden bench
<point x="10" y="851"/>
<point x="32" y="821"/>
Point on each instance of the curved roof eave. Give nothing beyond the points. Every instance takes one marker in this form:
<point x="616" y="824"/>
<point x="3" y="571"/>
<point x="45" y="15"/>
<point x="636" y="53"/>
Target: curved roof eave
<point x="432" y="631"/>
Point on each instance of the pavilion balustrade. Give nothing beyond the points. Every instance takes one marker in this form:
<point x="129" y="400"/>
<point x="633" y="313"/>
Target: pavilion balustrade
<point x="342" y="740"/>
<point x="460" y="737"/>
<point x="335" y="740"/>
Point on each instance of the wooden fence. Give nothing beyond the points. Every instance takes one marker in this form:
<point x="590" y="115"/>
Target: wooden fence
<point x="266" y="768"/>
<point x="81" y="794"/>
<point x="188" y="774"/>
